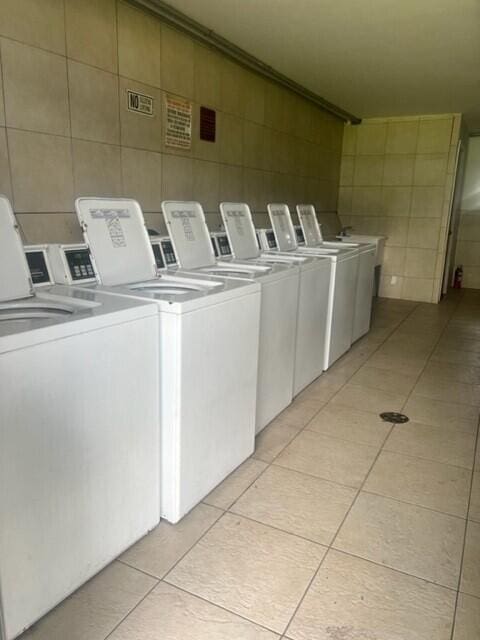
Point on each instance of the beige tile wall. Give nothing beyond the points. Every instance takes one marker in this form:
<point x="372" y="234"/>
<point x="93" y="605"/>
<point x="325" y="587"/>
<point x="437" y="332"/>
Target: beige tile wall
<point x="65" y="131"/>
<point x="396" y="180"/>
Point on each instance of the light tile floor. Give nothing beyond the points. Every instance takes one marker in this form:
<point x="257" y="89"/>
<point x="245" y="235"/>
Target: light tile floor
<point x="340" y="526"/>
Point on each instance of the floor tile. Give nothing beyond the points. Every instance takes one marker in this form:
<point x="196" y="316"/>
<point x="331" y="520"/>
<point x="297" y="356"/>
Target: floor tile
<point x="401" y="363"/>
<point x="250" y="569"/>
<point x="442" y="414"/>
<point x="402" y="536"/>
<point x="428" y="484"/>
<point x="451" y="371"/>
<point x="457" y="357"/>
<point x="320" y="391"/>
<point x="157" y="552"/>
<point x="470" y="582"/>
<point x="351" y="598"/>
<point x="350" y="424"/>
<point x="384" y="379"/>
<point x="235" y="484"/>
<point x="297" y="503"/>
<point x="467" y="619"/>
<point x="474" y="511"/>
<point x="425" y="441"/>
<point x="398" y="348"/>
<point x="93" y="611"/>
<point x="368" y="399"/>
<point x="460" y="344"/>
<point x="272" y="440"/>
<point x="457" y="392"/>
<point x="301" y="411"/>
<point x="168" y="613"/>
<point x="328" y="458"/>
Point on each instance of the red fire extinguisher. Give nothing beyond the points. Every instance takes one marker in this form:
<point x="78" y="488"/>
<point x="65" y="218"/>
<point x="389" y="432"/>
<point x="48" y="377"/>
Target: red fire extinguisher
<point x="457" y="280"/>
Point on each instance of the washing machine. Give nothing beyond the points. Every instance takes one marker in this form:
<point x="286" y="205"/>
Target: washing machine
<point x="314" y="279"/>
<point x="79" y="441"/>
<point x="379" y="242"/>
<point x="278" y="316"/>
<point x="343" y="282"/>
<point x="208" y="352"/>
<point x="366" y="267"/>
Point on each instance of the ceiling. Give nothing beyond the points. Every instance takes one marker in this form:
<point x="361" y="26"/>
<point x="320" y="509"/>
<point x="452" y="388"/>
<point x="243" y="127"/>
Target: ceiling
<point x="369" y="57"/>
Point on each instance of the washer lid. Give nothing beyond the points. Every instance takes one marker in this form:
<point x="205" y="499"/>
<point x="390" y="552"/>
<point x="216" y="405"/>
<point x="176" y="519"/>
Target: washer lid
<point x="237" y="219"/>
<point x="189" y="234"/>
<point x="311" y="228"/>
<point x="115" y="231"/>
<point x="15" y="281"/>
<point x="282" y="226"/>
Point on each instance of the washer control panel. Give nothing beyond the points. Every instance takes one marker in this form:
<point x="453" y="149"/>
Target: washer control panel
<point x="300" y="235"/>
<point x="157" y="252"/>
<point x="169" y="256"/>
<point x="221" y="245"/>
<point x="71" y="264"/>
<point x="224" y="245"/>
<point x="270" y="236"/>
<point x="38" y="264"/>
<point x="79" y="264"/>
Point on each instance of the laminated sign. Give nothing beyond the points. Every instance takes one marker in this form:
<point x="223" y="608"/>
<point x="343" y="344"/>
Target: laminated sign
<point x="178" y="130"/>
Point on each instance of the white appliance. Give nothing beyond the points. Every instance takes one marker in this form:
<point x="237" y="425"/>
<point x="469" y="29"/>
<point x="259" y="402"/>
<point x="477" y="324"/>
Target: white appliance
<point x="278" y="311"/>
<point x="366" y="267"/>
<point x="79" y="441"/>
<point x="379" y="242"/>
<point x="314" y="279"/>
<point x="343" y="282"/>
<point x="208" y="352"/>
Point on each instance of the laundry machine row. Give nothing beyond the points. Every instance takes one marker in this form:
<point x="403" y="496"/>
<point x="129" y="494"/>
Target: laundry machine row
<point x="79" y="439"/>
<point x="367" y="256"/>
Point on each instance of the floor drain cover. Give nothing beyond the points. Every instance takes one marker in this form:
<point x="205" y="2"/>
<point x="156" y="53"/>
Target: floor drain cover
<point x="393" y="416"/>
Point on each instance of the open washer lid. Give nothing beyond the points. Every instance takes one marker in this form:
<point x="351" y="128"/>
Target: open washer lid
<point x="189" y="234"/>
<point x="115" y="231"/>
<point x="15" y="281"/>
<point x="311" y="228"/>
<point x="237" y="219"/>
<point x="282" y="226"/>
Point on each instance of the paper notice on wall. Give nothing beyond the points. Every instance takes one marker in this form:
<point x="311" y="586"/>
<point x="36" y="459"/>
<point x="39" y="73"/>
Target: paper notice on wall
<point x="178" y="129"/>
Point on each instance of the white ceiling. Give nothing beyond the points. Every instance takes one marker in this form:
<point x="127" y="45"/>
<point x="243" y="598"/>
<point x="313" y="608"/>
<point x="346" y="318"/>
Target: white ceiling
<point x="369" y="57"/>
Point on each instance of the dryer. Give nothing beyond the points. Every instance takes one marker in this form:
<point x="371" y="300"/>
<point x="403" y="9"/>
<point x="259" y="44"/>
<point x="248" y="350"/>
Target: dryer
<point x="278" y="310"/>
<point x="79" y="441"/>
<point x="343" y="282"/>
<point x="366" y="267"/>
<point x="208" y="352"/>
<point x="314" y="282"/>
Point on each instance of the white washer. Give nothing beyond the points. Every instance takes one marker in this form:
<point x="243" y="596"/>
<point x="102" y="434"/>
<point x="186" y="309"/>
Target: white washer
<point x="314" y="279"/>
<point x="208" y="352"/>
<point x="366" y="267"/>
<point x="343" y="282"/>
<point x="278" y="316"/>
<point x="79" y="441"/>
